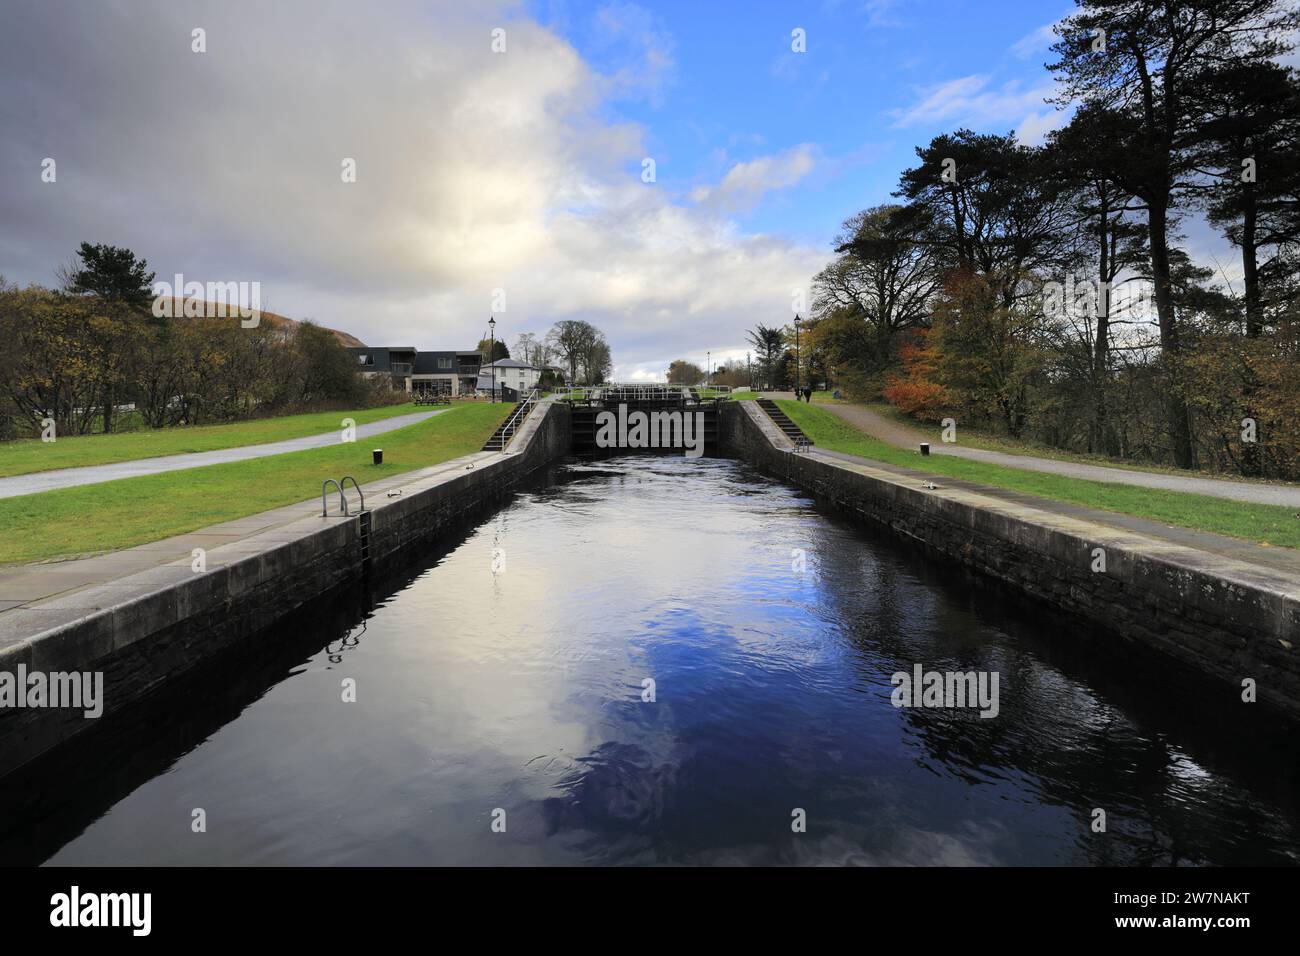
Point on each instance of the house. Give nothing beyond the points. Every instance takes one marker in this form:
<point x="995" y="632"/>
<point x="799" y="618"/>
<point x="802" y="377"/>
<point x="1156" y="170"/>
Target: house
<point x="437" y="372"/>
<point x="395" y="361"/>
<point x="510" y="373"/>
<point x="467" y="368"/>
<point x="451" y="372"/>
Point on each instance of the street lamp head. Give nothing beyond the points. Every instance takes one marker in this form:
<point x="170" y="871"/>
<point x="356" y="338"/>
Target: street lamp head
<point x="492" y="322"/>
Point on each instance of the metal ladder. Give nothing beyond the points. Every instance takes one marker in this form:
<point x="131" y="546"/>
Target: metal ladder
<point x="363" y="516"/>
<point x="343" y="501"/>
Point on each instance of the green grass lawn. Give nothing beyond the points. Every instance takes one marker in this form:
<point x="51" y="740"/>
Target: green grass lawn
<point x="1265" y="524"/>
<point x="973" y="437"/>
<point x="120" y="514"/>
<point x="29" y="455"/>
<point x="819" y="397"/>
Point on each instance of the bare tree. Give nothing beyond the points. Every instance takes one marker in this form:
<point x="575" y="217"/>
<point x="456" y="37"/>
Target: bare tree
<point x="581" y="345"/>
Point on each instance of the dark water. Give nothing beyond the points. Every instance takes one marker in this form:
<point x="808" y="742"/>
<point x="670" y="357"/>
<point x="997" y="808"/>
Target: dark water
<point x="520" y="687"/>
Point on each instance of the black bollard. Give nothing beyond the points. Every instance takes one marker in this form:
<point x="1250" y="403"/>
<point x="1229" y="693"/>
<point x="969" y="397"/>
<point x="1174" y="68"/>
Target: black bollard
<point x="378" y="455"/>
<point x="925" y="449"/>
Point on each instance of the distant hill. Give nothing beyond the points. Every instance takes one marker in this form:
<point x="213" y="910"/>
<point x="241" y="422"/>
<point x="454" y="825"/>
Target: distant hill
<point x="272" y="320"/>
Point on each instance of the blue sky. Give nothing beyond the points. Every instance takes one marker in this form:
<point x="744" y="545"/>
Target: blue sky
<point x="877" y="78"/>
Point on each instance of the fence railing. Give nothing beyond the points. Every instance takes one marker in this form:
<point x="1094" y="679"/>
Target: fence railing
<point x="640" y="392"/>
<point x="516" y="419"/>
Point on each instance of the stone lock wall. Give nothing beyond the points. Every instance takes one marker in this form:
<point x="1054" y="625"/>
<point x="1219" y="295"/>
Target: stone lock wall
<point x="1226" y="618"/>
<point x="149" y="628"/>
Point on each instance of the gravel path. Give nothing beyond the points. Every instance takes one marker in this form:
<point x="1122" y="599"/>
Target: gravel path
<point x="888" y="430"/>
<point x="93" y="474"/>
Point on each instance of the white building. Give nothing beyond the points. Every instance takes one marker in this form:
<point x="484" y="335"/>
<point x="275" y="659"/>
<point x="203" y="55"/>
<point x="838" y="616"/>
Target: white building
<point x="511" y="373"/>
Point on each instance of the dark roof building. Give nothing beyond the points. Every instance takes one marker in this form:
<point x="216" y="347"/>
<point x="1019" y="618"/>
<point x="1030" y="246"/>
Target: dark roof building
<point x="394" y="359"/>
<point x="456" y="370"/>
<point x="436" y="363"/>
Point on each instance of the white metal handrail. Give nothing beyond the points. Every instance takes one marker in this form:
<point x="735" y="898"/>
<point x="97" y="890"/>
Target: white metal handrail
<point x="343" y="502"/>
<point x="516" y="419"/>
<point x="640" y="391"/>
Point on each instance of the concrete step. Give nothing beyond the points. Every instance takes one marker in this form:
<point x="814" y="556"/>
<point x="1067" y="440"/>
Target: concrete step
<point x="497" y="441"/>
<point x="784" y="422"/>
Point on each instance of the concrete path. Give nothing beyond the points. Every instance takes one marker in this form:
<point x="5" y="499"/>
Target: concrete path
<point x="68" y="477"/>
<point x="888" y="430"/>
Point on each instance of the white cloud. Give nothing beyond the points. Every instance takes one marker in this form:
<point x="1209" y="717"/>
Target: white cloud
<point x="1033" y="129"/>
<point x="746" y="183"/>
<point x="656" y="371"/>
<point x="1036" y="42"/>
<point x="971" y="101"/>
<point x="476" y="171"/>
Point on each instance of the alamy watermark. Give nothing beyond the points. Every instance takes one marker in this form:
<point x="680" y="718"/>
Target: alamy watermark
<point x="215" y="300"/>
<point x="638" y="429"/>
<point x="78" y="690"/>
<point x="127" y="910"/>
<point x="1092" y="298"/>
<point x="922" y="688"/>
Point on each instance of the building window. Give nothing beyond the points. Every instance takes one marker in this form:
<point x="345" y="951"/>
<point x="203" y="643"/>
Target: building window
<point x="444" y="362"/>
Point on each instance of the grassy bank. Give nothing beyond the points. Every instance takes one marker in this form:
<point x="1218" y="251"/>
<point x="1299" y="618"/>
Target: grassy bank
<point x="819" y="397"/>
<point x="988" y="440"/>
<point x="1265" y="524"/>
<point x="29" y="455"/>
<point x="120" y="514"/>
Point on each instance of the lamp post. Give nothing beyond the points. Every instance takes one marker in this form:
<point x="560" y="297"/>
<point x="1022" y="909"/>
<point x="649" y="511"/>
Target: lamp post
<point x="492" y="351"/>
<point x="708" y="360"/>
<point x="796" y="355"/>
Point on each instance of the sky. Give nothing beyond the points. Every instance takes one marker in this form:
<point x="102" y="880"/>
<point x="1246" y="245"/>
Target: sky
<point x="508" y="181"/>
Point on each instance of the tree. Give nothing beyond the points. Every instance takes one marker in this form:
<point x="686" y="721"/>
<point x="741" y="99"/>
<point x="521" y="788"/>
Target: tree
<point x="55" y="357"/>
<point x="494" y="350"/>
<point x="987" y="355"/>
<point x="682" y="372"/>
<point x="878" y="286"/>
<point x="1140" y="58"/>
<point x="329" y="372"/>
<point x="113" y="274"/>
<point x="769" y="346"/>
<point x="581" y="345"/>
<point x="597" y="361"/>
<point x="1107" y="243"/>
<point x="161" y="375"/>
<point x="122" y="281"/>
<point x="915" y="388"/>
<point x="528" y="348"/>
<point x="1248" y="144"/>
<point x="989" y="208"/>
<point x="733" y="374"/>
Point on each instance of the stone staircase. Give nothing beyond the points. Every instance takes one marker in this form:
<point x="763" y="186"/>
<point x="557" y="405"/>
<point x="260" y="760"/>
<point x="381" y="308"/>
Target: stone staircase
<point x="499" y="438"/>
<point x="784" y="422"/>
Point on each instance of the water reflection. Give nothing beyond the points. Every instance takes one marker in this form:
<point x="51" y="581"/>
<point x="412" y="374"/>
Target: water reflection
<point x="510" y="674"/>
